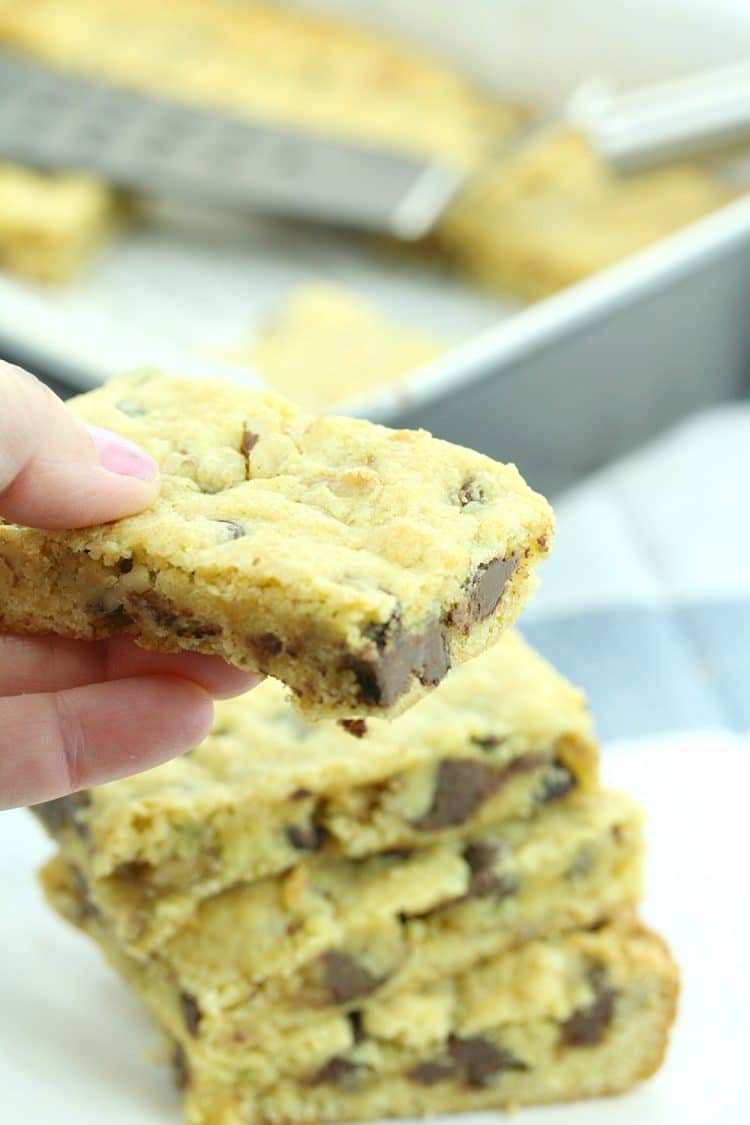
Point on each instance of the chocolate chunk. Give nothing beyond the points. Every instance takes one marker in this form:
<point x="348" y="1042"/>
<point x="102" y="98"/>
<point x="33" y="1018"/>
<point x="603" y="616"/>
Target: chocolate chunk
<point x="300" y="794"/>
<point x="430" y="1073"/>
<point x="86" y="908"/>
<point x="232" y="530"/>
<point x="265" y="646"/>
<point x="462" y="785"/>
<point x="483" y="592"/>
<point x="587" y="1026"/>
<point x="486" y="741"/>
<point x="357" y="727"/>
<point x="345" y="978"/>
<point x="385" y="675"/>
<point x="64" y="812"/>
<point x="357" y="1026"/>
<point x="558" y="782"/>
<point x="335" y="1071"/>
<point x="479" y="1060"/>
<point x="249" y="441"/>
<point x="124" y="566"/>
<point x="485" y="881"/>
<point x="470" y="492"/>
<point x="191" y="1013"/>
<point x="132" y="409"/>
<point x="307" y="837"/>
<point x="180" y="1070"/>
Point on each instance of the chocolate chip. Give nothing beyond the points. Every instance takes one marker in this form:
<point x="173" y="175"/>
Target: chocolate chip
<point x="558" y="782"/>
<point x="462" y="785"/>
<point x="357" y="727"/>
<point x="479" y="1060"/>
<point x="357" y="1026"/>
<point x="232" y="530"/>
<point x="470" y="492"/>
<point x="132" y="409"/>
<point x="483" y="592"/>
<point x="191" y="1013"/>
<point x="306" y="837"/>
<point x="335" y="1071"/>
<point x="485" y="881"/>
<point x="86" y="908"/>
<point x="430" y="1073"/>
<point x="249" y="441"/>
<point x="124" y="566"/>
<point x="587" y="1026"/>
<point x="486" y="741"/>
<point x="180" y="1070"/>
<point x="345" y="978"/>
<point x="63" y="812"/>
<point x="265" y="646"/>
<point x="386" y="674"/>
<point x="300" y="794"/>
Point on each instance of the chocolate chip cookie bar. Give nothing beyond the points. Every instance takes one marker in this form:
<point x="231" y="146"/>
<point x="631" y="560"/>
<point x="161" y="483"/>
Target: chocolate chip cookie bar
<point x="356" y="564"/>
<point x="331" y="931"/>
<point x="502" y="736"/>
<point x="579" y="1014"/>
<point x="50" y="224"/>
<point x="553" y="212"/>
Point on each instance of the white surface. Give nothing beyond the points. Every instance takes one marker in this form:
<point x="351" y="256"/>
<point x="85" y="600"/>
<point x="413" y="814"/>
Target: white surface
<point x="647" y="530"/>
<point x="160" y="298"/>
<point x="73" y="1043"/>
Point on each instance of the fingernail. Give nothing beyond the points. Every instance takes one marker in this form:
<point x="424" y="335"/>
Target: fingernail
<point x="121" y="456"/>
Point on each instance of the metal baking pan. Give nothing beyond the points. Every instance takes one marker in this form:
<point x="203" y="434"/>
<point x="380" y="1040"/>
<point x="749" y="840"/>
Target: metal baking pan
<point x="560" y="386"/>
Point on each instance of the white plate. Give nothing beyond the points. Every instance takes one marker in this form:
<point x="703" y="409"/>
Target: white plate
<point x="73" y="1043"/>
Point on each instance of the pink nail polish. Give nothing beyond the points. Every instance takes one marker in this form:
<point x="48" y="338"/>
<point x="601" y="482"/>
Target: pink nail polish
<point x="121" y="456"/>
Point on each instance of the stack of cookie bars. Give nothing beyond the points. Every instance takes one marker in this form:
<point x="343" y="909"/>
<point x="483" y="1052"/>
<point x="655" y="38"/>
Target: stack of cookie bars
<point x="338" y="921"/>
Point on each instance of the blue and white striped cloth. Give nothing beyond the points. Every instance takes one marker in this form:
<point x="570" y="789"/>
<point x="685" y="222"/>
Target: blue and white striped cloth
<point x="645" y="601"/>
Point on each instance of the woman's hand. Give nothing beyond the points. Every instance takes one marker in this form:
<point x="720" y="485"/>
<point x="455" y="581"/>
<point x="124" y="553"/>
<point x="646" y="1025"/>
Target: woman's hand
<point x="76" y="713"/>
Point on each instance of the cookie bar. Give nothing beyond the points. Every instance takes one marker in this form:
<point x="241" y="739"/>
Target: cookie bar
<point x="327" y="345"/>
<point x="503" y="735"/>
<point x="268" y="61"/>
<point x="574" y="1015"/>
<point x="332" y="930"/>
<point x="553" y="213"/>
<point x="51" y="223"/>
<point x="354" y="563"/>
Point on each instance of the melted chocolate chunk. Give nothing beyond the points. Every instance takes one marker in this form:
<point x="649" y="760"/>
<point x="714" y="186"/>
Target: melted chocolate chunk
<point x="587" y="1026"/>
<point x="232" y="530"/>
<point x="479" y="1060"/>
<point x="191" y="1013"/>
<point x="307" y="837"/>
<point x="63" y="813"/>
<point x="485" y="881"/>
<point x="249" y="441"/>
<point x="180" y="1070"/>
<point x="357" y="727"/>
<point x="386" y="675"/>
<point x="124" y="566"/>
<point x="345" y="978"/>
<point x="265" y="646"/>
<point x="462" y="785"/>
<point x="300" y="794"/>
<point x="558" y="782"/>
<point x="470" y="492"/>
<point x="483" y="592"/>
<point x="335" y="1071"/>
<point x="357" y="1026"/>
<point x="430" y="1073"/>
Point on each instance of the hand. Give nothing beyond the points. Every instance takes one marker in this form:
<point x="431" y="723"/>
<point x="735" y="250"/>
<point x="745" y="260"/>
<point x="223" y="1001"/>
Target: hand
<point x="77" y="713"/>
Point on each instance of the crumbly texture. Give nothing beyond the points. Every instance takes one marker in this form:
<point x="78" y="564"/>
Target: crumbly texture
<point x="51" y="224"/>
<point x="392" y="919"/>
<point x="575" y="1015"/>
<point x="552" y="213"/>
<point x="327" y="346"/>
<point x="354" y="563"/>
<point x="502" y="736"/>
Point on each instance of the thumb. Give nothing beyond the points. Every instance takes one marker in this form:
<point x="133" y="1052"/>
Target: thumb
<point x="57" y="473"/>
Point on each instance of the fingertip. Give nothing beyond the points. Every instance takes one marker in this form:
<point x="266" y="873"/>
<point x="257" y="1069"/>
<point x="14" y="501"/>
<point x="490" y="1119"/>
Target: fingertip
<point x="231" y="682"/>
